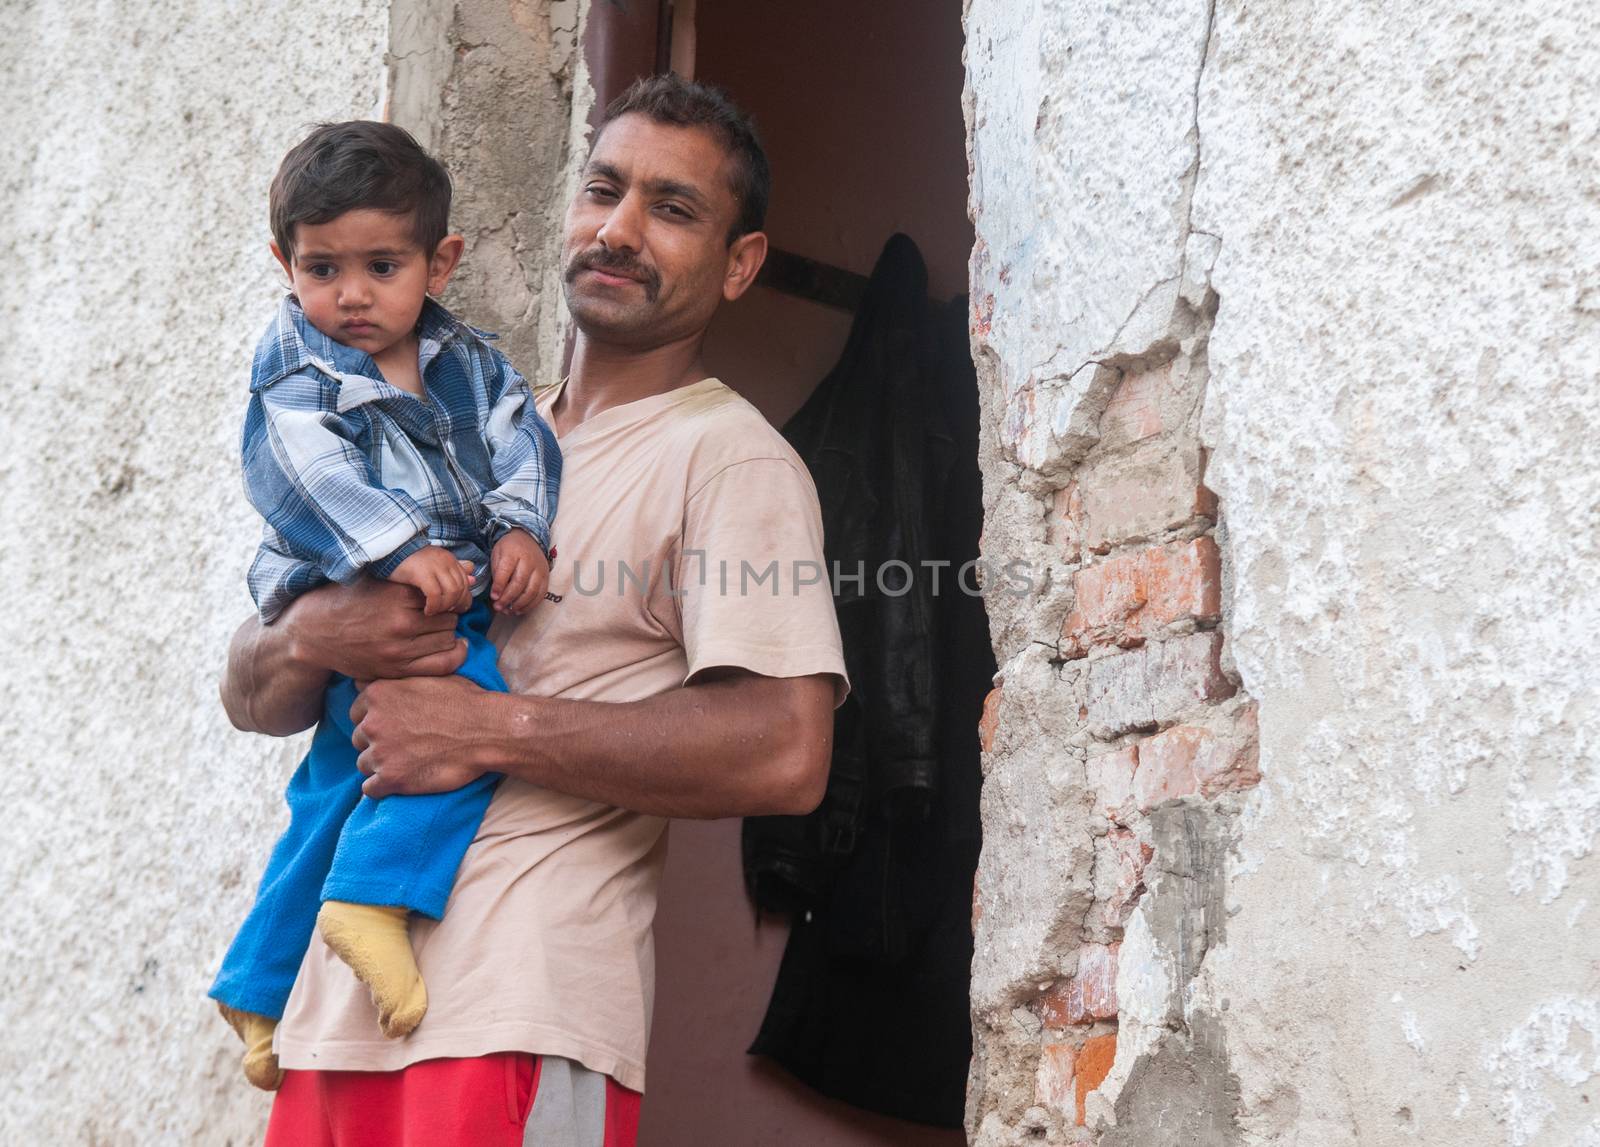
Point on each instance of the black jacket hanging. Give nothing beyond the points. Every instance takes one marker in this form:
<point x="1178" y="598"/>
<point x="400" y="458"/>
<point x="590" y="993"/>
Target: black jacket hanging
<point x="870" y="1005"/>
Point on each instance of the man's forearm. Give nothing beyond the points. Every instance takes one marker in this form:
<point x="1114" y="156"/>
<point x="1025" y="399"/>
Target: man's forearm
<point x="277" y="673"/>
<point x="739" y="746"/>
<point x="267" y="688"/>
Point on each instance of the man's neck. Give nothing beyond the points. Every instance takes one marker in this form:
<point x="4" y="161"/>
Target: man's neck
<point x="604" y="376"/>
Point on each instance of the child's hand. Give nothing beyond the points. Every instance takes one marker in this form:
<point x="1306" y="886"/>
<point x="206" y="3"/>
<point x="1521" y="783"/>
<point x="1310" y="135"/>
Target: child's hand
<point x="445" y="580"/>
<point x="521" y="573"/>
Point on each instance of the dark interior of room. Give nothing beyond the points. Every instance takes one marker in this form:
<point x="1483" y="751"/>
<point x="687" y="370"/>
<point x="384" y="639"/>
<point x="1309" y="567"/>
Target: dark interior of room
<point x="850" y="975"/>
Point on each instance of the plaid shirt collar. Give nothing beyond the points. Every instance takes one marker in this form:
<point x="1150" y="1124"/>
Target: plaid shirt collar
<point x="295" y="344"/>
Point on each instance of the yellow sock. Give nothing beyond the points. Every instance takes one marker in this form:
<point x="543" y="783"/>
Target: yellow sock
<point x="376" y="943"/>
<point x="260" y="1065"/>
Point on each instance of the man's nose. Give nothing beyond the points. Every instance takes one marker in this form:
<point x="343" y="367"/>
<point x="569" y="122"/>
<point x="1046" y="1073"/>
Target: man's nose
<point x="621" y="230"/>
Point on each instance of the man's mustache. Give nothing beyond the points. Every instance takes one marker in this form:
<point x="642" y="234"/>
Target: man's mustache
<point x="616" y="263"/>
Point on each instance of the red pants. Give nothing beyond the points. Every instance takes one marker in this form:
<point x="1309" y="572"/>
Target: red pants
<point x="482" y="1102"/>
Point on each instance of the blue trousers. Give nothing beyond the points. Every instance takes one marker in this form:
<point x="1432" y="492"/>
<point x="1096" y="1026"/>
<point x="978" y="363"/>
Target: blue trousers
<point x="401" y="851"/>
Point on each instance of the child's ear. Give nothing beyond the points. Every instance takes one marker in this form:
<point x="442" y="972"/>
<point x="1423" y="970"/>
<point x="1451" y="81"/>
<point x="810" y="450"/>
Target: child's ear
<point x="442" y="263"/>
<point x="283" y="261"/>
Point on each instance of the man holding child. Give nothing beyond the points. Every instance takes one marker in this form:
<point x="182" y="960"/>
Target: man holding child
<point x="685" y="690"/>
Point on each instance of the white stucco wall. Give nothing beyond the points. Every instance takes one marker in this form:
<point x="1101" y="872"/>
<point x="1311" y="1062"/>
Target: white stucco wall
<point x="1398" y="209"/>
<point x="139" y="142"/>
<point x="133" y="230"/>
<point x="1405" y="409"/>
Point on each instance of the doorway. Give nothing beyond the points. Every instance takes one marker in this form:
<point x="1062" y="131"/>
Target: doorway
<point x="859" y="107"/>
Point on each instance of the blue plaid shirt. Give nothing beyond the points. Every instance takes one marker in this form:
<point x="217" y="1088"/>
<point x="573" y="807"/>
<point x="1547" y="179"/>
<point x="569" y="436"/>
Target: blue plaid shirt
<point x="353" y="474"/>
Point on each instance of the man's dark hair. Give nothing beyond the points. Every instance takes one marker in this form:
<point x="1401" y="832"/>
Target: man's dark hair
<point x="359" y="164"/>
<point x="675" y="100"/>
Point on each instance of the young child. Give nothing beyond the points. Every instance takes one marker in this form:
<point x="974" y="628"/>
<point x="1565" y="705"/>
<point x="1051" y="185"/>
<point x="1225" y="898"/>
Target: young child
<point x="383" y="437"/>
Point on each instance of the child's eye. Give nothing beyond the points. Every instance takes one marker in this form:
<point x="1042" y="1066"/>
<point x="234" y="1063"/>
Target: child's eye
<point x="384" y="267"/>
<point x="321" y="270"/>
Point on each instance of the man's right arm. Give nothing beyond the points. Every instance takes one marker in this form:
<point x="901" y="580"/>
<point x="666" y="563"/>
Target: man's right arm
<point x="277" y="673"/>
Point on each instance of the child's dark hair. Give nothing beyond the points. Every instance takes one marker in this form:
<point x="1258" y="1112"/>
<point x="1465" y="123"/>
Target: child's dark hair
<point x="343" y="167"/>
<point x="672" y="99"/>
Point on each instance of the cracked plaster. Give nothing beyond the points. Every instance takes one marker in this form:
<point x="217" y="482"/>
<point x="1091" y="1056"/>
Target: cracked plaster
<point x="1398" y="209"/>
<point x="1402" y="401"/>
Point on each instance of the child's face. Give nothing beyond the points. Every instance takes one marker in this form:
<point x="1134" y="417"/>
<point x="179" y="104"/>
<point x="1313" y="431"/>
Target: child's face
<point x="361" y="278"/>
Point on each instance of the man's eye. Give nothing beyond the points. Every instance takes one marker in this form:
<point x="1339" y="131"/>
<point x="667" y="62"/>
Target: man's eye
<point x="600" y="191"/>
<point x="384" y="267"/>
<point x="674" y="210"/>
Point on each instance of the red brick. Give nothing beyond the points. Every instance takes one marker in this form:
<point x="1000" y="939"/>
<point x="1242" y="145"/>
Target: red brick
<point x="1110" y="777"/>
<point x="1110" y="593"/>
<point x="989" y="722"/>
<point x="1145" y="687"/>
<point x="1053" y="1081"/>
<point x="1126" y="500"/>
<point x="1187" y="759"/>
<point x="1094" y="995"/>
<point x="1184" y="670"/>
<point x="1134" y="411"/>
<point x="1183" y="581"/>
<point x="1089" y="995"/>
<point x="1115" y="695"/>
<point x="1236" y="764"/>
<point x="1064" y="528"/>
<point x="1127" y="599"/>
<point x="1119" y="886"/>
<point x="1092" y="1066"/>
<point x="1074" y="644"/>
<point x="1166" y="765"/>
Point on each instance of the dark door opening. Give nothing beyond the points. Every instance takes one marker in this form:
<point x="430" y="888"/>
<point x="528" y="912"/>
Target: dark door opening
<point x="859" y="107"/>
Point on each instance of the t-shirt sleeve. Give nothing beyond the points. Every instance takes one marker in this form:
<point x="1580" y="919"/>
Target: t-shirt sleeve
<point x="754" y="587"/>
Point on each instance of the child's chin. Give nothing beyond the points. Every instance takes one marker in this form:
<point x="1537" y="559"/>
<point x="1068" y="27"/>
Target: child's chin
<point x="374" y="343"/>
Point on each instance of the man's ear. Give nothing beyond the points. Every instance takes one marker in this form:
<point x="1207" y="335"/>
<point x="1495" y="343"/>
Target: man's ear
<point x="283" y="260"/>
<point x="442" y="263"/>
<point x="745" y="256"/>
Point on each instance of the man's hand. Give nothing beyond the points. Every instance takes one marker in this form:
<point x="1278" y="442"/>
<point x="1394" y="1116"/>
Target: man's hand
<point x="445" y="580"/>
<point x="417" y="736"/>
<point x="520" y="571"/>
<point x="374" y="629"/>
<point x="277" y="673"/>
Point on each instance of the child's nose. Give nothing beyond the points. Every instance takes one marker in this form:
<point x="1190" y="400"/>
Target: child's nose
<point x="354" y="293"/>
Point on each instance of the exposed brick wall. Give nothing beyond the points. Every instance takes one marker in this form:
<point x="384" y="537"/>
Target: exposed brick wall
<point x="1142" y="651"/>
<point x="1285" y="337"/>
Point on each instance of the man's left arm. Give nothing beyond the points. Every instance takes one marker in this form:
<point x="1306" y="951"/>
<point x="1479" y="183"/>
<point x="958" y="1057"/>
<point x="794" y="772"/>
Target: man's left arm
<point x="750" y="730"/>
<point x="730" y="743"/>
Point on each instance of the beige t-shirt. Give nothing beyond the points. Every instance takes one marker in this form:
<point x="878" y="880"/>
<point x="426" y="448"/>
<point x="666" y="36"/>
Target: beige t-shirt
<point x="545" y="944"/>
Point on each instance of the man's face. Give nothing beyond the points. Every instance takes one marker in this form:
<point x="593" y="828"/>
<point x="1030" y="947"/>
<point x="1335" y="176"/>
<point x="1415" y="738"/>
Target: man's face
<point x="645" y="255"/>
<point x="361" y="278"/>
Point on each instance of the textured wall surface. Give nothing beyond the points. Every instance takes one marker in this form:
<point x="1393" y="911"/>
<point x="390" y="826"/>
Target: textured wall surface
<point x="1320" y="288"/>
<point x="490" y="86"/>
<point x="1405" y="405"/>
<point x="140" y="142"/>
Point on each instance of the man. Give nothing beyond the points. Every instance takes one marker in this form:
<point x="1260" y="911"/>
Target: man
<point x="685" y="662"/>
